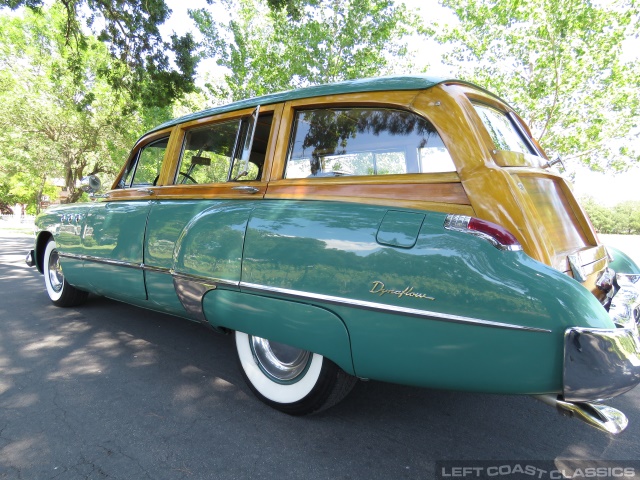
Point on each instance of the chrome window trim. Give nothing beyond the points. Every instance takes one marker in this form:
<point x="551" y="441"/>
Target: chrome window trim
<point x="381" y="307"/>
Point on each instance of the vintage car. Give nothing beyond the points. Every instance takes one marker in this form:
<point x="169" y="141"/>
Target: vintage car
<point x="402" y="229"/>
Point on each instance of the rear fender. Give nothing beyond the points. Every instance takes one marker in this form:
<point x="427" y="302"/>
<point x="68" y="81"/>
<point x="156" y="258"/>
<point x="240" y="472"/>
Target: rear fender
<point x="299" y="325"/>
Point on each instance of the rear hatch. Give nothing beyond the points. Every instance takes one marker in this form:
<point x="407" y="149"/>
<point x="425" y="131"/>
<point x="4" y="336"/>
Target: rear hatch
<point x="572" y="245"/>
<point x="560" y="225"/>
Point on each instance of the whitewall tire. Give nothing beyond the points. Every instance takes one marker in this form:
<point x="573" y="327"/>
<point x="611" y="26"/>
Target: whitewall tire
<point x="60" y="292"/>
<point x="289" y="379"/>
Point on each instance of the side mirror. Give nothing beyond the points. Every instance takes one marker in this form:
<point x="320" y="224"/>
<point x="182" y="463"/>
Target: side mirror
<point x="90" y="184"/>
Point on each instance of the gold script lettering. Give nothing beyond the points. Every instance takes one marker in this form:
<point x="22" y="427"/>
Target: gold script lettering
<point x="379" y="289"/>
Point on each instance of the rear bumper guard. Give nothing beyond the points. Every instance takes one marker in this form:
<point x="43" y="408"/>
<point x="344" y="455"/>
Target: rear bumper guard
<point x="600" y="363"/>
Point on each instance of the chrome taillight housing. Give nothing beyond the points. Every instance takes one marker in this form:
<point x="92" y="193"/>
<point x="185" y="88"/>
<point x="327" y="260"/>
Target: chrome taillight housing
<point x="498" y="236"/>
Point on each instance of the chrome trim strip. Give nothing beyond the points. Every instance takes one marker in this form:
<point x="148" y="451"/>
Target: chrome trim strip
<point x="207" y="280"/>
<point x="381" y="307"/>
<point x="108" y="261"/>
<point x="142" y="266"/>
<point x="190" y="294"/>
<point x="191" y="289"/>
<point x="149" y="268"/>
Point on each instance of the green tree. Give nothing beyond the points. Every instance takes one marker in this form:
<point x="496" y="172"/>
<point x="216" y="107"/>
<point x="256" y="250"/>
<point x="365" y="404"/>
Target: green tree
<point x="130" y="29"/>
<point x="266" y="50"/>
<point x="601" y="216"/>
<point x="58" y="123"/>
<point x="561" y="64"/>
<point x="626" y="216"/>
<point x="623" y="218"/>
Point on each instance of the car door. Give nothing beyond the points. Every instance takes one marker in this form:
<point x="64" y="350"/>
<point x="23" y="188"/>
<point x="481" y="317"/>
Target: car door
<point x="196" y="224"/>
<point x="114" y="231"/>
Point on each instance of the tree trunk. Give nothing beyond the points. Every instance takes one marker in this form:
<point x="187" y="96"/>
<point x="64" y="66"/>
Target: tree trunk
<point x="39" y="194"/>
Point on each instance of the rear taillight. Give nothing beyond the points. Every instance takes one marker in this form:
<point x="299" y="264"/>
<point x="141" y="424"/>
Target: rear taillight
<point x="498" y="236"/>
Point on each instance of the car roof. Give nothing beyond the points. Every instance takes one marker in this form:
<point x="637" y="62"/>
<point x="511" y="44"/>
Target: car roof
<point x="378" y="84"/>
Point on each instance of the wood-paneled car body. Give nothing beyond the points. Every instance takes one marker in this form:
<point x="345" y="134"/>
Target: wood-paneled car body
<point x="403" y="229"/>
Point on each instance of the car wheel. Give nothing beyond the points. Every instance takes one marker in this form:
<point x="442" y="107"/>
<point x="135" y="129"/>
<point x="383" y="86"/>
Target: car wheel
<point x="60" y="292"/>
<point x="294" y="381"/>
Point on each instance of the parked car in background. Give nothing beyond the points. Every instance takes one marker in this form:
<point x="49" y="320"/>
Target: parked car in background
<point x="402" y="229"/>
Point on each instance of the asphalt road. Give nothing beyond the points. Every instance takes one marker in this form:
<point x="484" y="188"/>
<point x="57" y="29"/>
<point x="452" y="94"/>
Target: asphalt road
<point x="112" y="391"/>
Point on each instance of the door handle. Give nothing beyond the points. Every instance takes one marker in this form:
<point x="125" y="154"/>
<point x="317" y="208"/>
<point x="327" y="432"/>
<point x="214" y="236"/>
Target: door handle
<point x="246" y="189"/>
<point x="148" y="191"/>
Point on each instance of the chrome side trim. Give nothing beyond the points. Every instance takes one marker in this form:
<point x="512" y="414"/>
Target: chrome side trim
<point x="191" y="289"/>
<point x="142" y="266"/>
<point x="149" y="268"/>
<point x="600" y="363"/>
<point x="108" y="261"/>
<point x="207" y="280"/>
<point x="190" y="294"/>
<point x="381" y="307"/>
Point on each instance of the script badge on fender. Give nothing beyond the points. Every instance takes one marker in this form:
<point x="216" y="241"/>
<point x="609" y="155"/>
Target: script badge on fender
<point x="379" y="289"/>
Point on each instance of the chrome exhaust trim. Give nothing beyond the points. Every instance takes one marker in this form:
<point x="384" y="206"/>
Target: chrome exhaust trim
<point x="602" y="417"/>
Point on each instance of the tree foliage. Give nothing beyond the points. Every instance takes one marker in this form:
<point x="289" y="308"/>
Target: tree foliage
<point x="58" y="123"/>
<point x="623" y="218"/>
<point x="561" y="63"/>
<point x="130" y="29"/>
<point x="272" y="49"/>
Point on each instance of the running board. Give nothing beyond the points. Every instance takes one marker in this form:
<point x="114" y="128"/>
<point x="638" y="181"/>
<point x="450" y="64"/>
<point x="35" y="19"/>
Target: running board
<point x="602" y="417"/>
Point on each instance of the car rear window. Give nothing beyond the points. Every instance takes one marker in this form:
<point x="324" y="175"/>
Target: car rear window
<point x="504" y="133"/>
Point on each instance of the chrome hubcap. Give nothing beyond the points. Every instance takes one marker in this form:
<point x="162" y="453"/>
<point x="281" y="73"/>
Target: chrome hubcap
<point x="56" y="278"/>
<point x="281" y="362"/>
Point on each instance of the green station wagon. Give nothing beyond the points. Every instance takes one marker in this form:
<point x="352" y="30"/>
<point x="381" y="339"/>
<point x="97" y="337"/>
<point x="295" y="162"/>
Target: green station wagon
<point x="402" y="229"/>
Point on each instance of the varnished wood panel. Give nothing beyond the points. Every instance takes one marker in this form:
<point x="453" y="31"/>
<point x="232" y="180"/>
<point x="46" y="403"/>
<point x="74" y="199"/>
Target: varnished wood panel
<point x="452" y="193"/>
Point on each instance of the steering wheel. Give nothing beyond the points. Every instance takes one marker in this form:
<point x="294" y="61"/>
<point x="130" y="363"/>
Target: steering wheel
<point x="187" y="176"/>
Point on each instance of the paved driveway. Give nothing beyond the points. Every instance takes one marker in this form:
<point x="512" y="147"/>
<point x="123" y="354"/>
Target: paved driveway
<point x="111" y="391"/>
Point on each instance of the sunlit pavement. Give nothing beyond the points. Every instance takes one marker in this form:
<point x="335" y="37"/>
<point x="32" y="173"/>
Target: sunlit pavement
<point x="111" y="391"/>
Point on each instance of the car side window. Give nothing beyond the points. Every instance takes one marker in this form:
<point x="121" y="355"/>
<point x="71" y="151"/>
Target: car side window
<point x="212" y="154"/>
<point x="145" y="170"/>
<point x="208" y="153"/>
<point x="364" y="141"/>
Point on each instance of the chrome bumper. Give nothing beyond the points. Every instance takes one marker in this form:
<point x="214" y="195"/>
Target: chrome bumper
<point x="605" y="363"/>
<point x="600" y="363"/>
